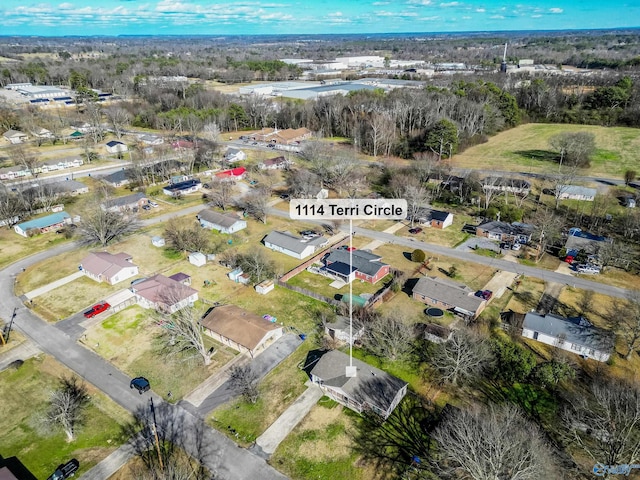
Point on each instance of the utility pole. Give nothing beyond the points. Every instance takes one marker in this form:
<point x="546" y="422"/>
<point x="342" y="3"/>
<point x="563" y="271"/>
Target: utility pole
<point x="2" y="336"/>
<point x="155" y="434"/>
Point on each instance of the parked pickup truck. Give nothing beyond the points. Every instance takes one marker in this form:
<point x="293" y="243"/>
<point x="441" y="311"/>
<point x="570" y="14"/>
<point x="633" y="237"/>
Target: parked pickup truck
<point x="97" y="309"/>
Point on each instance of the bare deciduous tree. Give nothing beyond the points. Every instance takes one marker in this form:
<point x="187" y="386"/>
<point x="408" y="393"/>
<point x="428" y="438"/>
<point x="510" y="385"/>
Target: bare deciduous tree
<point x="465" y="355"/>
<point x="387" y="336"/>
<point x="67" y="405"/>
<point x="186" y="235"/>
<point x="256" y="264"/>
<point x="182" y="331"/>
<point x="12" y="206"/>
<point x="627" y="315"/>
<point x="221" y="193"/>
<point x="100" y="225"/>
<point x="244" y="379"/>
<point x="490" y="443"/>
<point x="256" y="204"/>
<point x="606" y="422"/>
<point x="119" y="118"/>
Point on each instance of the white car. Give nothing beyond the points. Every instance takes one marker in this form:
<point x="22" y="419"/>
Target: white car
<point x="515" y="246"/>
<point x="588" y="269"/>
<point x="153" y="204"/>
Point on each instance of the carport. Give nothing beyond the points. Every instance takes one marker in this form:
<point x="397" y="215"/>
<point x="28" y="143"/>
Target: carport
<point x="121" y="300"/>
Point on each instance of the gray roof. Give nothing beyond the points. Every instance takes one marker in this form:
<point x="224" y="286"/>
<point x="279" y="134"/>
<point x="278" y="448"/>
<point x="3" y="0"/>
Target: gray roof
<point x="366" y="262"/>
<point x="448" y="292"/>
<point x="287" y="241"/>
<point x="515" y="228"/>
<point x="218" y="219"/>
<point x="116" y="177"/>
<point x="66" y="186"/>
<point x="577" y="190"/>
<point x="126" y="200"/>
<point x="573" y="330"/>
<point x="579" y="240"/>
<point x="371" y="385"/>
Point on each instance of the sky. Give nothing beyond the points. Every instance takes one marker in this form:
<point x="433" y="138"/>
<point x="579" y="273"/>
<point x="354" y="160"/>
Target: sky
<point x="252" y="17"/>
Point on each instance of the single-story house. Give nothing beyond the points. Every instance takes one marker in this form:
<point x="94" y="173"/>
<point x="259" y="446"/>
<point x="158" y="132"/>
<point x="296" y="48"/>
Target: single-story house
<point x="116" y="147"/>
<point x="289" y="244"/>
<point x="575" y="335"/>
<point x="367" y="265"/>
<point x="182" y="144"/>
<point x="126" y="203"/>
<point x="42" y="133"/>
<point x="339" y="329"/>
<point x="108" y="267"/>
<point x="576" y="192"/>
<point x="232" y="174"/>
<point x="505" y="232"/>
<point x="164" y="294"/>
<point x="223" y="222"/>
<point x="182" y="188"/>
<point x="15" y="136"/>
<point x="277" y="163"/>
<point x="241" y="330"/>
<point x="448" y="295"/>
<point x="581" y="240"/>
<point x="284" y="137"/>
<point x="434" y="218"/>
<point x="43" y="224"/>
<point x="17" y="171"/>
<point x="198" y="259"/>
<point x="68" y="187"/>
<point x="157" y="241"/>
<point x="371" y="389"/>
<point x="151" y="139"/>
<point x="265" y="286"/>
<point x="117" y="179"/>
<point x="511" y="185"/>
<point x="233" y="155"/>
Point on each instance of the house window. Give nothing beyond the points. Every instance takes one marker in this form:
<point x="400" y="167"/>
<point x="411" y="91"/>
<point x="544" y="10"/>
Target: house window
<point x="535" y="335"/>
<point x="576" y="347"/>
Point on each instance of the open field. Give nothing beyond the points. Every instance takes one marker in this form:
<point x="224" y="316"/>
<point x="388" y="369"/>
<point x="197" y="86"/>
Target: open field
<point x="449" y="237"/>
<point x="14" y="247"/>
<point x="279" y="389"/>
<point x="24" y="394"/>
<point x="128" y="339"/>
<point x="526" y="149"/>
<point x="319" y="448"/>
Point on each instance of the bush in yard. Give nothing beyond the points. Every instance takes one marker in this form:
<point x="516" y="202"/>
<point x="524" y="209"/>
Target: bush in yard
<point x="418" y="256"/>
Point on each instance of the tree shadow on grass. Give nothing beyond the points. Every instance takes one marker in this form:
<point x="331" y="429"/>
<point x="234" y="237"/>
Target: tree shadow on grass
<point x="541" y="155"/>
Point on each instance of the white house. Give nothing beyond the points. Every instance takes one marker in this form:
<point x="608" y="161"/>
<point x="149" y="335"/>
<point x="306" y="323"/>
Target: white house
<point x="297" y="247"/>
<point x="233" y="155"/>
<point x="224" y="223"/>
<point x="164" y="294"/>
<point x="108" y="267"/>
<point x="575" y="335"/>
<point x="151" y="139"/>
<point x="182" y="188"/>
<point x="277" y="163"/>
<point x="576" y="192"/>
<point x="15" y="136"/>
<point x="265" y="286"/>
<point x="116" y="147"/>
<point x="339" y="330"/>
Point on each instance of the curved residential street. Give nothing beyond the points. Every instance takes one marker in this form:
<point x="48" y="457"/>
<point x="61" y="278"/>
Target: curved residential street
<point x="223" y="456"/>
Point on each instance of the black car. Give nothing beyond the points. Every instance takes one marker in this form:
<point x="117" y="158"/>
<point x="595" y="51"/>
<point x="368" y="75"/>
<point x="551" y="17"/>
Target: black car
<point x="415" y="230"/>
<point x="65" y="470"/>
<point x="141" y="384"/>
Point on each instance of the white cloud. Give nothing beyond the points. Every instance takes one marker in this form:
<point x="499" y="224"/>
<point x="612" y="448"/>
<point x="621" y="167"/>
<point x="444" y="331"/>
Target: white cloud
<point x="450" y="4"/>
<point x="335" y="14"/>
<point x="430" y="19"/>
<point x="419" y="2"/>
<point x="480" y="10"/>
<point x="380" y="4"/>
<point x="498" y="17"/>
<point x="536" y="16"/>
<point x="556" y="10"/>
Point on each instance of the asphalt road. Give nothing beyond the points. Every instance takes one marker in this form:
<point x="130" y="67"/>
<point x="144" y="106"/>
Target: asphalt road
<point x="495" y="263"/>
<point x="221" y="456"/>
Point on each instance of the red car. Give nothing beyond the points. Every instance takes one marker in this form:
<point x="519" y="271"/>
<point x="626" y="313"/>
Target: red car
<point x="97" y="309"/>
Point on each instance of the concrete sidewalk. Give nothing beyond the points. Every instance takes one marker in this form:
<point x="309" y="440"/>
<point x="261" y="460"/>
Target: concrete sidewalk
<point x="111" y="464"/>
<point x="372" y="245"/>
<point x="267" y="443"/>
<point x="50" y="286"/>
<point x="25" y="350"/>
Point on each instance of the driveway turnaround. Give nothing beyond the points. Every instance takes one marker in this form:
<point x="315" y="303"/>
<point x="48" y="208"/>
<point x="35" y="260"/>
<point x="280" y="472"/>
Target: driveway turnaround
<point x="267" y="443"/>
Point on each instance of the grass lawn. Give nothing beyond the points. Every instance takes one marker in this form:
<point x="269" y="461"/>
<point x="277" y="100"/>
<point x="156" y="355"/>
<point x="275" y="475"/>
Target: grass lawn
<point x="321" y="285"/>
<point x="526" y="295"/>
<point x="449" y="237"/>
<point x="24" y="394"/>
<point x="13" y="247"/>
<point x="320" y="447"/>
<point x="128" y="340"/>
<point x="279" y="389"/>
<point x="526" y="149"/>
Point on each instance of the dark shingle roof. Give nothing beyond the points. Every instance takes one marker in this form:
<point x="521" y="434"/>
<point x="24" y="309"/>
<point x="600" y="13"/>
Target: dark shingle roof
<point x="371" y="385"/>
<point x="573" y="330"/>
<point x="126" y="200"/>
<point x="216" y="218"/>
<point x="448" y="292"/>
<point x="366" y="262"/>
